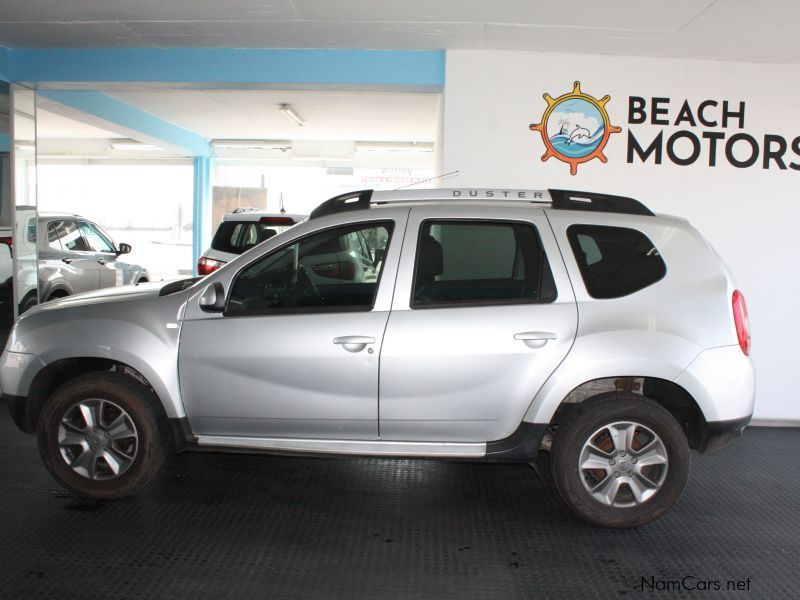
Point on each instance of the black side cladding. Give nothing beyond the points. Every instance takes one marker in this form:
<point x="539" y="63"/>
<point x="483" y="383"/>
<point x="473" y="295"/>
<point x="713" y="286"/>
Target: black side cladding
<point x="343" y="203"/>
<point x="594" y="202"/>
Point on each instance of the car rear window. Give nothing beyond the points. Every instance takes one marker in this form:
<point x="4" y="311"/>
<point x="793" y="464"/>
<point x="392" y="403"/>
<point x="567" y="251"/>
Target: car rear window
<point x="237" y="236"/>
<point x="615" y="261"/>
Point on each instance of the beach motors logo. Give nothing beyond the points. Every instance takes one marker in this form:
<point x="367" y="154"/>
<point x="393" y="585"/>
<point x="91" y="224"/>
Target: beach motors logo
<point x="575" y="128"/>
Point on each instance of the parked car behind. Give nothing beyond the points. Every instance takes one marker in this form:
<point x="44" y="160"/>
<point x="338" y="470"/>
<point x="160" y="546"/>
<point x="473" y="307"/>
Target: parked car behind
<point x="76" y="255"/>
<point x="241" y="230"/>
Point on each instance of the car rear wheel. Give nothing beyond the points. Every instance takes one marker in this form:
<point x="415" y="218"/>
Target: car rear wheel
<point x="101" y="436"/>
<point x="621" y="461"/>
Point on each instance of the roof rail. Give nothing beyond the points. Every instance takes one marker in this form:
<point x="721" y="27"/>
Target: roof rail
<point x="342" y="203"/>
<point x="558" y="199"/>
<point x="364" y="198"/>
<point x="591" y="201"/>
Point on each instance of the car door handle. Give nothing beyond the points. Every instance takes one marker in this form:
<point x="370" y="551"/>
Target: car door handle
<point x="102" y="261"/>
<point x="535" y="339"/>
<point x="354" y="343"/>
<point x="66" y="260"/>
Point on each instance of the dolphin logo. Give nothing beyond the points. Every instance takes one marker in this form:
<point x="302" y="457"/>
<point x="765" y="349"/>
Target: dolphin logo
<point x="578" y="133"/>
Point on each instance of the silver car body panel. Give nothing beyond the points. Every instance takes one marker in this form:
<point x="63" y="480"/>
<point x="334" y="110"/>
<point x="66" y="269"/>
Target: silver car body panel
<point x="132" y="325"/>
<point x="283" y="375"/>
<point x="447" y="375"/>
<point x="641" y="335"/>
<point x="356" y="447"/>
<point x="458" y="373"/>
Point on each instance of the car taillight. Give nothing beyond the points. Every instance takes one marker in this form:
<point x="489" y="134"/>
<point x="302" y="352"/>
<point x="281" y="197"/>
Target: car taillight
<point x="742" y="321"/>
<point x="207" y="265"/>
<point x="7" y="240"/>
<point x="345" y="269"/>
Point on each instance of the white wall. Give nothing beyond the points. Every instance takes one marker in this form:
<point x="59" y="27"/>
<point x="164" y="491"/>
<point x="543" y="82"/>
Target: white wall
<point x="750" y="215"/>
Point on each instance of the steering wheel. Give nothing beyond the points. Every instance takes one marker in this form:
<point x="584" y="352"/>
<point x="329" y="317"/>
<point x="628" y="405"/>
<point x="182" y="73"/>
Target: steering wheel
<point x="307" y="286"/>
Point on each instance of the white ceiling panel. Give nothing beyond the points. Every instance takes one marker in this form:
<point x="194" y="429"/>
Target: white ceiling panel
<point x="54" y="125"/>
<point x="68" y="35"/>
<point x="652" y="14"/>
<point x="587" y="41"/>
<point x="314" y="34"/>
<point x="86" y="11"/>
<point x="750" y="30"/>
<point x="329" y="115"/>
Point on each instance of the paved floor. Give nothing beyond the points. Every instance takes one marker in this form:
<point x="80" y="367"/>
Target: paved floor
<point x="233" y="526"/>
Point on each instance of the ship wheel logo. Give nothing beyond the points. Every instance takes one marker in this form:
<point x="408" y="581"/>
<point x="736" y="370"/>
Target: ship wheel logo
<point x="575" y="128"/>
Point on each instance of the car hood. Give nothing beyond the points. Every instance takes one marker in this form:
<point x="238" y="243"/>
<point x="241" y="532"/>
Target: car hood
<point x="104" y="295"/>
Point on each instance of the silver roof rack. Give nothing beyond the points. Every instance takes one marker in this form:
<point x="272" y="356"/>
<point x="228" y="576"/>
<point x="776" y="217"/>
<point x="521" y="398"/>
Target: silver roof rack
<point x="557" y="199"/>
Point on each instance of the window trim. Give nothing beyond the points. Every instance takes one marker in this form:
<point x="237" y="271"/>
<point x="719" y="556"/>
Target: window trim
<point x="311" y="310"/>
<point x="100" y="233"/>
<point x="78" y="229"/>
<point x="477" y="303"/>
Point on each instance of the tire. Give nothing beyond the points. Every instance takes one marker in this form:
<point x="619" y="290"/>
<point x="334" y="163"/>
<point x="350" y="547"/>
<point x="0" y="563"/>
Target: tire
<point x="614" y="488"/>
<point x="119" y="455"/>
<point x="28" y="302"/>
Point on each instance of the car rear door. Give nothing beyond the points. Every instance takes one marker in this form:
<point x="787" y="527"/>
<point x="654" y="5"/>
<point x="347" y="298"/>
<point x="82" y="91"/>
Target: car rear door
<point x="483" y="313"/>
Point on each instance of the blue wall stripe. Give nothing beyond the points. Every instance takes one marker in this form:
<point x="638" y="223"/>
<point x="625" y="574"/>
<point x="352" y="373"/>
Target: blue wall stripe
<point x="5" y="64"/>
<point x="5" y="143"/>
<point x="229" y="65"/>
<point x="201" y="209"/>
<point x="112" y="110"/>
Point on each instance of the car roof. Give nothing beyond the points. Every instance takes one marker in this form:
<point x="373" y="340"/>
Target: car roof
<point x="54" y="213"/>
<point x="257" y="215"/>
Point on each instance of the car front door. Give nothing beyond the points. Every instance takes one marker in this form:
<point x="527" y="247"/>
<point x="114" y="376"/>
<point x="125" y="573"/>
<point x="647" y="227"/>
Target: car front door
<point x="105" y="254"/>
<point x="68" y="252"/>
<point x="483" y="313"/>
<point x="291" y="356"/>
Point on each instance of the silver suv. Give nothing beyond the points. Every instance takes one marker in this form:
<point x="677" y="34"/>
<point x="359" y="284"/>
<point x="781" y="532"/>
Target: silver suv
<point x="75" y="255"/>
<point x="499" y="325"/>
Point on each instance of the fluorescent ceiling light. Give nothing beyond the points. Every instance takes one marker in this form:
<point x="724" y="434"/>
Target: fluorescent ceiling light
<point x="394" y="146"/>
<point x="136" y="147"/>
<point x="282" y="145"/>
<point x="290" y="113"/>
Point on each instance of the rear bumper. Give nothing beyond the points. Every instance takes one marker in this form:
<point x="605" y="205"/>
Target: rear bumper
<point x="722" y="433"/>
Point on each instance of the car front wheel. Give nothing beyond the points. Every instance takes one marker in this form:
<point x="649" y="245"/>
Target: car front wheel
<point x="621" y="461"/>
<point x="101" y="437"/>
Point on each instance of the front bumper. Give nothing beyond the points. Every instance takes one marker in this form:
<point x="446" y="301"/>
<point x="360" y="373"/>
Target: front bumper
<point x="16" y="406"/>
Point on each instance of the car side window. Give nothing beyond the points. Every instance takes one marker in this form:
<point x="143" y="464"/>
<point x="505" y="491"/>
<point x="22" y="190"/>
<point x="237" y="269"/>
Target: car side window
<point x="322" y="272"/>
<point x="615" y="261"/>
<point x="97" y="241"/>
<point x="53" y="241"/>
<point x="480" y="263"/>
<point x="71" y="238"/>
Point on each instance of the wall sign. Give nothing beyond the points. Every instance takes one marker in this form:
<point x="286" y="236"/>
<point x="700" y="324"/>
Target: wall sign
<point x="575" y="128"/>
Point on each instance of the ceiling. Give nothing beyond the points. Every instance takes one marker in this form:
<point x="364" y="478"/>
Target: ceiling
<point x="742" y="30"/>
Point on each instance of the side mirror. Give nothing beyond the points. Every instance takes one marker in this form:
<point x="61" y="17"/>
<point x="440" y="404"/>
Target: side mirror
<point x="124" y="248"/>
<point x="213" y="298"/>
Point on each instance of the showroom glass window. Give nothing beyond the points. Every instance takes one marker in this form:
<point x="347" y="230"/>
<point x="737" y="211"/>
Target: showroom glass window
<point x="335" y="270"/>
<point x="480" y="263"/>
